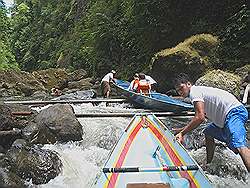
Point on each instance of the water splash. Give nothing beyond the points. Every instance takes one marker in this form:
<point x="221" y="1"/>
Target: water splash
<point x="82" y="161"/>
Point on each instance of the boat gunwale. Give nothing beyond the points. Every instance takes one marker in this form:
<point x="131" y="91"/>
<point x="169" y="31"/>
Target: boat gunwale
<point x="188" y="107"/>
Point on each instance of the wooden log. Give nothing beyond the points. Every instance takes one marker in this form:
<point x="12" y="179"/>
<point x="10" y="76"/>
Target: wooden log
<point x="66" y="101"/>
<point x="10" y="132"/>
<point x="131" y="114"/>
<point x="22" y="113"/>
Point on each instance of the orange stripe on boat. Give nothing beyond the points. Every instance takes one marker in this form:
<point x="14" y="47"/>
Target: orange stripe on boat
<point x="173" y="156"/>
<point x="114" y="176"/>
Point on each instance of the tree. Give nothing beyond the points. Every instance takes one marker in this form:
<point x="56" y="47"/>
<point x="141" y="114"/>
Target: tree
<point x="7" y="59"/>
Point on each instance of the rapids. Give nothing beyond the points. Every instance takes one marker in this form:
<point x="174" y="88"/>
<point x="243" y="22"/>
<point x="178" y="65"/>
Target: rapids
<point x="83" y="161"/>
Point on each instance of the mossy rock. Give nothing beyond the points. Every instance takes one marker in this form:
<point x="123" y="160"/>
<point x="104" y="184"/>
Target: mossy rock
<point x="194" y="56"/>
<point x="51" y="77"/>
<point x="223" y="80"/>
<point x="243" y="71"/>
<point x="14" y="77"/>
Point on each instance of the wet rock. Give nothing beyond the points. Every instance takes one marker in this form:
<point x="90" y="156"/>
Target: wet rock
<point x="86" y="94"/>
<point x="6" y="119"/>
<point x="10" y="180"/>
<point x="40" y="95"/>
<point x="11" y="125"/>
<point x="224" y="164"/>
<point x="56" y="123"/>
<point x="34" y="163"/>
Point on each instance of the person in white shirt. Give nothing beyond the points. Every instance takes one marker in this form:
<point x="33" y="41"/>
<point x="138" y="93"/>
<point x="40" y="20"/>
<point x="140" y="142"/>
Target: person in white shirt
<point x="105" y="83"/>
<point x="152" y="82"/>
<point x="223" y="109"/>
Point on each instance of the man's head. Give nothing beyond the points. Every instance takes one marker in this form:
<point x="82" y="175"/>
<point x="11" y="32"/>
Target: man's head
<point x="113" y="71"/>
<point x="136" y="76"/>
<point x="142" y="76"/>
<point x="182" y="84"/>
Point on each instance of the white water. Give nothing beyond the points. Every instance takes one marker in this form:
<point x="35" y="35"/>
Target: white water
<point x="82" y="161"/>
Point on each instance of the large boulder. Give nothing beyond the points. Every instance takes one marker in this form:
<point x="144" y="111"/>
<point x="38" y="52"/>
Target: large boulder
<point x="10" y="180"/>
<point x="59" y="77"/>
<point x="77" y="75"/>
<point x="14" y="82"/>
<point x="8" y="134"/>
<point x="223" y="80"/>
<point x="56" y="123"/>
<point x="83" y="84"/>
<point x="6" y="119"/>
<point x="51" y="77"/>
<point x="34" y="163"/>
<point x="195" y="55"/>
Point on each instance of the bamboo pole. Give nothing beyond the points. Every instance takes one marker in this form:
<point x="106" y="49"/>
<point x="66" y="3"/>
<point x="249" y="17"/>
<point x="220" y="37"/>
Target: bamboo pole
<point x="22" y="113"/>
<point x="131" y="114"/>
<point x="66" y="101"/>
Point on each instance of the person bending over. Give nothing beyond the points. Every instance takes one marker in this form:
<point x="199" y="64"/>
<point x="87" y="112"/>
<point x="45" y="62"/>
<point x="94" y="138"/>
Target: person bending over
<point x="227" y="114"/>
<point x="105" y="83"/>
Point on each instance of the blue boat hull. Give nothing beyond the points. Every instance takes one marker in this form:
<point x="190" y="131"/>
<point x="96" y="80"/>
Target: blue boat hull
<point x="156" y="101"/>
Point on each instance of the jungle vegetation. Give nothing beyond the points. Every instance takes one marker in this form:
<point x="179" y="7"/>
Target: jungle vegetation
<point x="97" y="35"/>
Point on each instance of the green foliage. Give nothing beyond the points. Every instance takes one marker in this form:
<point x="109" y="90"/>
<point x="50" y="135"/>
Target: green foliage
<point x="99" y="35"/>
<point x="7" y="59"/>
<point x="235" y="45"/>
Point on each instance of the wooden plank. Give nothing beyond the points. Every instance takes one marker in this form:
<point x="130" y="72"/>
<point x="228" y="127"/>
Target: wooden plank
<point x="66" y="101"/>
<point x="131" y="114"/>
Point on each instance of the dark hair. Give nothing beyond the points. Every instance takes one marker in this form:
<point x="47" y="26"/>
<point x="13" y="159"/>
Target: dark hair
<point x="181" y="78"/>
<point x="136" y="75"/>
<point x="141" y="75"/>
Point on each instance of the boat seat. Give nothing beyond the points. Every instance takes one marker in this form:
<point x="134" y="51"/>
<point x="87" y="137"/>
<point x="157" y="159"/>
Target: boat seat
<point x="148" y="185"/>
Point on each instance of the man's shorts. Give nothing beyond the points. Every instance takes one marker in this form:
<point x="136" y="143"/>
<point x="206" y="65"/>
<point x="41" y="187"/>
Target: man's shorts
<point x="105" y="88"/>
<point x="234" y="132"/>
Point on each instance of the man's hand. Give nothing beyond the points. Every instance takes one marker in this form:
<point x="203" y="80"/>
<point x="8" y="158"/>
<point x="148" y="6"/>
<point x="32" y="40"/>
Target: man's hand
<point x="177" y="129"/>
<point x="179" y="137"/>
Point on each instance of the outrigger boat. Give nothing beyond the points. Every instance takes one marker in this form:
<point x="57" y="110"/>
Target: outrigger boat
<point x="155" y="101"/>
<point x="147" y="156"/>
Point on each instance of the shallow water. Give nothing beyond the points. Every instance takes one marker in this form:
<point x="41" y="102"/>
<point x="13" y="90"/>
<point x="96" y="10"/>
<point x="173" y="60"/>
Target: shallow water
<point x="82" y="161"/>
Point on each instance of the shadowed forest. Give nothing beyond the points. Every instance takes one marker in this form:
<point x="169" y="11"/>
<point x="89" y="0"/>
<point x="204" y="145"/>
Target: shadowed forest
<point x="99" y="35"/>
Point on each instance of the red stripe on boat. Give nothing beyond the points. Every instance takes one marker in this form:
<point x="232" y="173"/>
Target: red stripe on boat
<point x="123" y="154"/>
<point x="172" y="155"/>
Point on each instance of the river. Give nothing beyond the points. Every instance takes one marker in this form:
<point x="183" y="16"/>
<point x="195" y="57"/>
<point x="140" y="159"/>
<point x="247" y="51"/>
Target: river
<point x="83" y="161"/>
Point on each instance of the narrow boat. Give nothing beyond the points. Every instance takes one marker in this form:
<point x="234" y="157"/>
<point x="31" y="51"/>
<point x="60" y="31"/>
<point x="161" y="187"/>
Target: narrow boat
<point x="147" y="155"/>
<point x="155" y="101"/>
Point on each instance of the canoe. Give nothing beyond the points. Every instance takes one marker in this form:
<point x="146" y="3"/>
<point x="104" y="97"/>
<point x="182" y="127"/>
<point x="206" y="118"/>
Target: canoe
<point x="147" y="155"/>
<point x="156" y="101"/>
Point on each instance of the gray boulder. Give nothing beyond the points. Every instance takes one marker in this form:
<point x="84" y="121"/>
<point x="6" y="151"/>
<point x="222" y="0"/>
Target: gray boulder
<point x="56" y="123"/>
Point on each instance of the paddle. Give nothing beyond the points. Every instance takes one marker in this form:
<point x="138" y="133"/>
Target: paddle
<point x="153" y="169"/>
